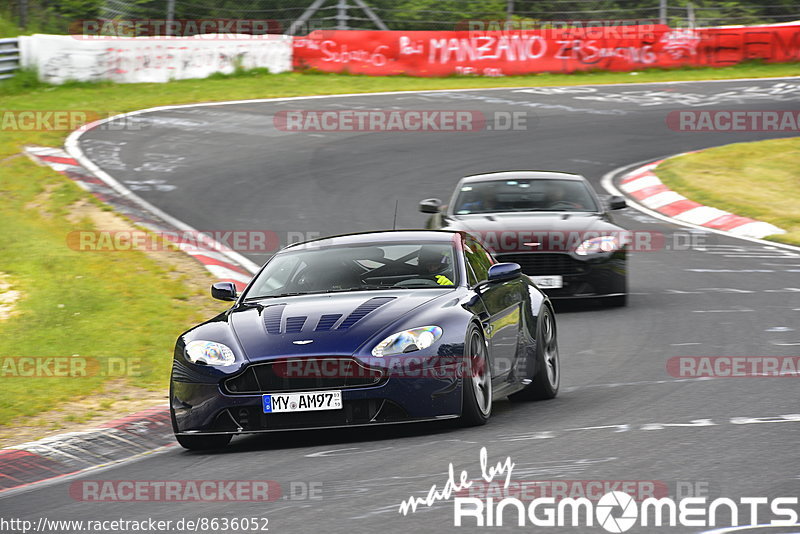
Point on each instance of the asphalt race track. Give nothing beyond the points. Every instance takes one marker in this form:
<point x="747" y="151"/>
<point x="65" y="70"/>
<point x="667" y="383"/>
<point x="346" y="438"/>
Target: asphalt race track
<point x="620" y="415"/>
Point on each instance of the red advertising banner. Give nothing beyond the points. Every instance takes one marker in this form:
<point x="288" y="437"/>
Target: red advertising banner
<point x="503" y="53"/>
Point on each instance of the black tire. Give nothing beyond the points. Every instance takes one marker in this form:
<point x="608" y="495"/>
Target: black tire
<point x="476" y="384"/>
<point x="548" y="367"/>
<point x="204" y="443"/>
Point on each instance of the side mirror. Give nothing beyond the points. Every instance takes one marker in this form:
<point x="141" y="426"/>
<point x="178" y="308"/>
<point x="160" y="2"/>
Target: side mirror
<point x="617" y="202"/>
<point x="223" y="291"/>
<point x="430" y="205"/>
<point x="500" y="272"/>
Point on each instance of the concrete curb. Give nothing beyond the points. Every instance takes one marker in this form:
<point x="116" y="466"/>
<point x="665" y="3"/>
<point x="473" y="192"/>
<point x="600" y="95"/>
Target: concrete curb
<point x="645" y="187"/>
<point x="219" y="264"/>
<point x="74" y="452"/>
<point x="609" y="183"/>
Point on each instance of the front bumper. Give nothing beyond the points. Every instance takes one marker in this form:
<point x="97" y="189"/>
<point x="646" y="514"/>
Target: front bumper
<point x="208" y="407"/>
<point x="599" y="275"/>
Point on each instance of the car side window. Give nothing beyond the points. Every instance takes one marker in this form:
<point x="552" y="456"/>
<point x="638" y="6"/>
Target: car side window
<point x="478" y="259"/>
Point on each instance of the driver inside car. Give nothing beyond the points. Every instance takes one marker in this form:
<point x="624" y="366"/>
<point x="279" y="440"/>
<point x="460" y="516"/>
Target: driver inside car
<point x="435" y="264"/>
<point x="482" y="200"/>
<point x="557" y="197"/>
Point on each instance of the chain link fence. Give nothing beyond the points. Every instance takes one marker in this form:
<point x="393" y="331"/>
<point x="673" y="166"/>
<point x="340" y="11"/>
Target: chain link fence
<point x="302" y="16"/>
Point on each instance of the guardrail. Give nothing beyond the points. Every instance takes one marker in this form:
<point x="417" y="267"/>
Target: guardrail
<point x="9" y="57"/>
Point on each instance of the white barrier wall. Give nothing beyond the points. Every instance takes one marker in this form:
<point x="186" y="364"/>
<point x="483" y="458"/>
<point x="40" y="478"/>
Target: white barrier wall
<point x="59" y="58"/>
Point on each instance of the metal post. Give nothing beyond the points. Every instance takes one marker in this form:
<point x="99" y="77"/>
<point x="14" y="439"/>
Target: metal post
<point x="170" y="15"/>
<point x="341" y="15"/>
<point x="510" y="10"/>
<point x="307" y="14"/>
<point x="690" y="15"/>
<point x="23" y="13"/>
<point x="371" y="14"/>
<point x="662" y="12"/>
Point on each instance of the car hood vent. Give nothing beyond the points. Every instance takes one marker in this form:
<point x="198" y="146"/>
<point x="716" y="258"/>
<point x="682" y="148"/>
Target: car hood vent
<point x="272" y="318"/>
<point x="327" y="321"/>
<point x="363" y="310"/>
<point x="295" y="324"/>
<point x="275" y="324"/>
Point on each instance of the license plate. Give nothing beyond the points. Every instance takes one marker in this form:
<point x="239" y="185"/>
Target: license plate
<point x="302" y="401"/>
<point x="554" y="281"/>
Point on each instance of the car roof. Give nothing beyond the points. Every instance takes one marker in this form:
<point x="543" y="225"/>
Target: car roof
<point x="522" y="175"/>
<point x="378" y="237"/>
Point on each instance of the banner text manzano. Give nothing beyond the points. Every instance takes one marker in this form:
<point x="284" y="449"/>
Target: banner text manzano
<point x="504" y="53"/>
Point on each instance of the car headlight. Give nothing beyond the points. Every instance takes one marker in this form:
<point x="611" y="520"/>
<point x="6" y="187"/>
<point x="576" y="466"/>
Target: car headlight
<point x="604" y="243"/>
<point x="408" y="341"/>
<point x="209" y="352"/>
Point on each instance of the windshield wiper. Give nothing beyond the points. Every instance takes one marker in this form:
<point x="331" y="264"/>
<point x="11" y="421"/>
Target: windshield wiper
<point x="362" y="288"/>
<point x="426" y="286"/>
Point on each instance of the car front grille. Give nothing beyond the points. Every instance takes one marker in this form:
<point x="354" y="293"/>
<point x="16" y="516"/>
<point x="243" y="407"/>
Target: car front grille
<point x="543" y="263"/>
<point x="353" y="412"/>
<point x="304" y="374"/>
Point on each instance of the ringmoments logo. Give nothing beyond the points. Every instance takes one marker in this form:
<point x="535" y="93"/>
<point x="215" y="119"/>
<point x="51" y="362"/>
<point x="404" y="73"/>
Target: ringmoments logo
<point x="615" y="511"/>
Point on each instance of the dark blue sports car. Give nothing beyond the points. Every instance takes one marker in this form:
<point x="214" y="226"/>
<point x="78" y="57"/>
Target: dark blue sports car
<point x="365" y="329"/>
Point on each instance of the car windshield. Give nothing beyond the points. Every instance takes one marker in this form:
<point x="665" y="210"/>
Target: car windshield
<point x="330" y="269"/>
<point x="524" y="195"/>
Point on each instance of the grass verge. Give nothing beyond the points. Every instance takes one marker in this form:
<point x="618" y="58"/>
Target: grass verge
<point x="107" y="305"/>
<point x="117" y="314"/>
<point x="760" y="180"/>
